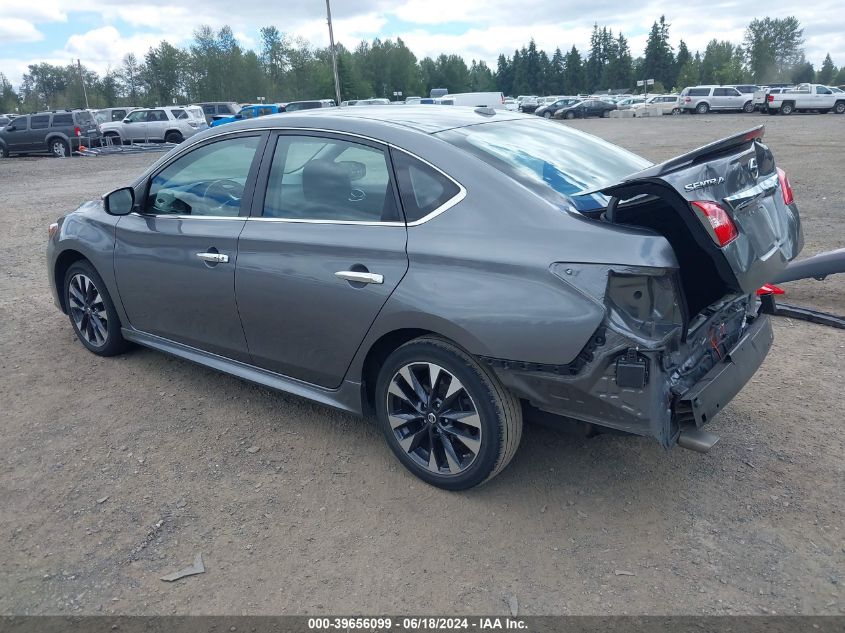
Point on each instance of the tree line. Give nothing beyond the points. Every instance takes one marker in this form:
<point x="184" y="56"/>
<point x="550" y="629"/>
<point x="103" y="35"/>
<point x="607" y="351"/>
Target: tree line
<point x="215" y="66"/>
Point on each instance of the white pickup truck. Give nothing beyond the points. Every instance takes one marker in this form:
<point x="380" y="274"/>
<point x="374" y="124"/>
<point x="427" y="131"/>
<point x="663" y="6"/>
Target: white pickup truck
<point x="804" y="98"/>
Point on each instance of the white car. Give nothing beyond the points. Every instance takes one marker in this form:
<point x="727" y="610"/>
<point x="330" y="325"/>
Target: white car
<point x="477" y="99"/>
<point x="667" y="103"/>
<point x="172" y="124"/>
<point x="511" y="104"/>
<point x="363" y="102"/>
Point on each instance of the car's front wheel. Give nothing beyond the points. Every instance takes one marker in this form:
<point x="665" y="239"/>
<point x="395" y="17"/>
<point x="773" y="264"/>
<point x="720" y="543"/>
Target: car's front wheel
<point x="569" y="115"/>
<point x="547" y="114"/>
<point x="447" y="418"/>
<point x="91" y="311"/>
<point x="748" y="108"/>
<point x="59" y="148"/>
<point x="839" y="108"/>
<point x="174" y="137"/>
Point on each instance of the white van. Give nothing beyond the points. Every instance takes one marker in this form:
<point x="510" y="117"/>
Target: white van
<point x="478" y="99"/>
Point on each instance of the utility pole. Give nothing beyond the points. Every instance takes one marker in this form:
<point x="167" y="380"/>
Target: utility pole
<point x="334" y="53"/>
<point x="82" y="81"/>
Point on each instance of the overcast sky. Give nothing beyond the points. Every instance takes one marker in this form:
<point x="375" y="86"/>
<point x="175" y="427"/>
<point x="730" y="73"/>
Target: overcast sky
<point x="100" y="32"/>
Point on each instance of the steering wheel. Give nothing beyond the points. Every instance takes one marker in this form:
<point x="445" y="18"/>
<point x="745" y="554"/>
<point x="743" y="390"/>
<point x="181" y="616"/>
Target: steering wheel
<point x="225" y="192"/>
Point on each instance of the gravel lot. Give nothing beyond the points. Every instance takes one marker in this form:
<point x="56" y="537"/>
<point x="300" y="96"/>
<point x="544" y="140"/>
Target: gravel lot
<point x="117" y="471"/>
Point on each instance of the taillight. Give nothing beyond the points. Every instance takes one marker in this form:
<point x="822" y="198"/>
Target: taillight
<point x="724" y="229"/>
<point x="687" y="99"/>
<point x="785" y="187"/>
<point x="77" y="131"/>
<point x="769" y="289"/>
<point x="770" y="98"/>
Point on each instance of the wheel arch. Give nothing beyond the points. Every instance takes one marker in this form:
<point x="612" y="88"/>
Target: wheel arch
<point x="64" y="261"/>
<point x="174" y="130"/>
<point x="52" y="136"/>
<point x="377" y="353"/>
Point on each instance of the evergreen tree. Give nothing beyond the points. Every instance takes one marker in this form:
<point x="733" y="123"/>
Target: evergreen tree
<point x="573" y="73"/>
<point x="827" y="72"/>
<point x="659" y="62"/>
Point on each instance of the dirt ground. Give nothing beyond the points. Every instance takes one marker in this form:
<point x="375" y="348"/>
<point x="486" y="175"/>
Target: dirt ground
<point x="117" y="471"/>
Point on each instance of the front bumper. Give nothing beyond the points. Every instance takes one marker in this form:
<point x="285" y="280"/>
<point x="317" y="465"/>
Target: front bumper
<point x="719" y="385"/>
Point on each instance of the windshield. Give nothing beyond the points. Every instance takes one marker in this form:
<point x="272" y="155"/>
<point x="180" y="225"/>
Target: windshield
<point x="553" y="160"/>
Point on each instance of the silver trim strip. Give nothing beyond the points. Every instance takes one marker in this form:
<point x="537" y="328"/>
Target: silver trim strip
<point x="451" y="202"/>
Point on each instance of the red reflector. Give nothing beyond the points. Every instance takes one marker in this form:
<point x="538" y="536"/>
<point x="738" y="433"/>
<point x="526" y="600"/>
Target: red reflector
<point x="785" y="187"/>
<point x="769" y="289"/>
<point x="724" y="229"/>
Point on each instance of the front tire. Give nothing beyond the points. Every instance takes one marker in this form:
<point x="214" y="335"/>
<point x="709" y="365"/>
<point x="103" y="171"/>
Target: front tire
<point x="569" y="115"/>
<point x="446" y="417"/>
<point x="547" y="115"/>
<point x="173" y="137"/>
<point x="748" y="108"/>
<point x="59" y="148"/>
<point x="91" y="311"/>
<point x="839" y="107"/>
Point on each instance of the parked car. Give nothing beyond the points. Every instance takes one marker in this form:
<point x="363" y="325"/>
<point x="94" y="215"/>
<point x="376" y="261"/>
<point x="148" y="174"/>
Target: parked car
<point x="325" y="274"/>
<point x="107" y="115"/>
<point x="629" y="102"/>
<point x="551" y="109"/>
<point x="494" y="100"/>
<point x="667" y="103"/>
<point x="293" y="106"/>
<point x="436" y="93"/>
<point x="748" y="89"/>
<point x="761" y="96"/>
<point x="529" y="104"/>
<point x="703" y="99"/>
<point x="171" y="124"/>
<point x="250" y="112"/>
<point x="805" y="98"/>
<point x="350" y="102"/>
<point x="214" y="109"/>
<point x="412" y="100"/>
<point x="586" y="108"/>
<point x="511" y="104"/>
<point x="373" y="101"/>
<point x="59" y="132"/>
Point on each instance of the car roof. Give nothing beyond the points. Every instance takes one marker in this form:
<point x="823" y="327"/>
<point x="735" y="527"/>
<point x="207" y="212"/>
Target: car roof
<point x="419" y="118"/>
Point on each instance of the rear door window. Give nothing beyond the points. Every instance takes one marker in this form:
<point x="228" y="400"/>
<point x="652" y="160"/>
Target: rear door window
<point x="39" y="122"/>
<point x="330" y="180"/>
<point x="62" y="120"/>
<point x="699" y="92"/>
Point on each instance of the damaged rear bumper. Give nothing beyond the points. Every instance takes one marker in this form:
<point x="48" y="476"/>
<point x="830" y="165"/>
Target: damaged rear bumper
<point x="719" y="385"/>
<point x="686" y="382"/>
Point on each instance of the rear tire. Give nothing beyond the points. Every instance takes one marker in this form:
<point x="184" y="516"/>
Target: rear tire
<point x="676" y="110"/>
<point x="702" y="108"/>
<point x="59" y="148"/>
<point x="787" y="108"/>
<point x="173" y="137"/>
<point x="446" y="417"/>
<point x="91" y="311"/>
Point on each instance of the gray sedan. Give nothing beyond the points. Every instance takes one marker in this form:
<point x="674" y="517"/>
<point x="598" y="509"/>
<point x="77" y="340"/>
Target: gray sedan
<point x="441" y="269"/>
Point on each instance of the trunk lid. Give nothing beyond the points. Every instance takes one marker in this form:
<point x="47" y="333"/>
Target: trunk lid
<point x="738" y="174"/>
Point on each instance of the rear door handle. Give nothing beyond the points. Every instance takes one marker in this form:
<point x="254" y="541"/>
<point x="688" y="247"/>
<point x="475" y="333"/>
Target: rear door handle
<point x="360" y="277"/>
<point x="217" y="258"/>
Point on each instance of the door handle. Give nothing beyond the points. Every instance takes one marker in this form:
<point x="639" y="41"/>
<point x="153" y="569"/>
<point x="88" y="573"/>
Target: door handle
<point x="360" y="277"/>
<point x="217" y="258"/>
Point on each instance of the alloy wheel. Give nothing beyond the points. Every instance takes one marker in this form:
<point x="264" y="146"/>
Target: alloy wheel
<point x="433" y="418"/>
<point x="88" y="310"/>
<point x="59" y="149"/>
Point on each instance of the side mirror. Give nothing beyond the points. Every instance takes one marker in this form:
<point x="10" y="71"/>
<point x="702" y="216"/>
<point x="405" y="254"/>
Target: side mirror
<point x="11" y="127"/>
<point x="119" y="201"/>
<point x="127" y="120"/>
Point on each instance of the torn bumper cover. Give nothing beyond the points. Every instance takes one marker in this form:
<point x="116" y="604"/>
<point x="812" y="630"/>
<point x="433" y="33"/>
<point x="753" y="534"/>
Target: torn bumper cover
<point x="647" y="370"/>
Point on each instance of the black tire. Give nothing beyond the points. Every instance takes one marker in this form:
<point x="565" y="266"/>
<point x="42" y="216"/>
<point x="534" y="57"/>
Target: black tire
<point x="839" y="107"/>
<point x="702" y="108"/>
<point x="676" y="110"/>
<point x="113" y="342"/>
<point x="787" y="108"/>
<point x="605" y="114"/>
<point x="569" y="115"/>
<point x="748" y="108"/>
<point x="496" y="412"/>
<point x="4" y="151"/>
<point x="59" y="148"/>
<point x="547" y="115"/>
<point x="173" y="137"/>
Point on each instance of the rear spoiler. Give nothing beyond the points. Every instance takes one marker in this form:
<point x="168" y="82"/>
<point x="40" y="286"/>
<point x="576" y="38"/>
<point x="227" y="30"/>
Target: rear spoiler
<point x="685" y="160"/>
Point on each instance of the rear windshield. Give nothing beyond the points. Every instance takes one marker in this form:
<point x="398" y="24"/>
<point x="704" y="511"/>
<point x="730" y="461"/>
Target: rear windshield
<point x="552" y="160"/>
<point x="84" y="118"/>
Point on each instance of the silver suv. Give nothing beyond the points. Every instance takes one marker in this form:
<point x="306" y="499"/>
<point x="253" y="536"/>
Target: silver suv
<point x="172" y="124"/>
<point x="702" y="99"/>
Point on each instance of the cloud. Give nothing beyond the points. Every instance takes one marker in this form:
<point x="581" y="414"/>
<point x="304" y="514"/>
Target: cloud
<point x="19" y="30"/>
